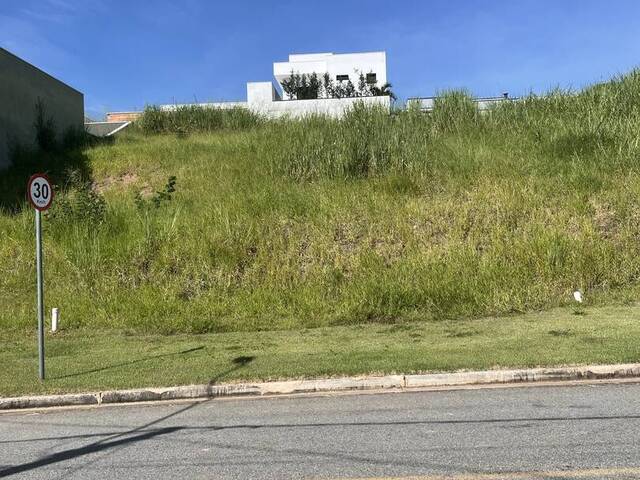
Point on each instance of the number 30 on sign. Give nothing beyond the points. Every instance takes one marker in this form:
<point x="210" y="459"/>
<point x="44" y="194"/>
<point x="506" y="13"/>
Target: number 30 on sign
<point x="39" y="191"/>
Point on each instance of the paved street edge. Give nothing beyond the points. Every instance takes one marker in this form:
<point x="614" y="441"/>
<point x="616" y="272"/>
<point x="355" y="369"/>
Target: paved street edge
<point x="400" y="382"/>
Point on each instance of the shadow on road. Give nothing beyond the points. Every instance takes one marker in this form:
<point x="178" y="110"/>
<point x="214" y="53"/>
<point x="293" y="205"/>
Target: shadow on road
<point x="112" y="441"/>
<point x="122" y="439"/>
<point x="78" y="452"/>
<point x="143" y="433"/>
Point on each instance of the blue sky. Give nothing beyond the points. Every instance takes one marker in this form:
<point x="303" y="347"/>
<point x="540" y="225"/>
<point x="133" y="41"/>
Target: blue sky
<point x="125" y="54"/>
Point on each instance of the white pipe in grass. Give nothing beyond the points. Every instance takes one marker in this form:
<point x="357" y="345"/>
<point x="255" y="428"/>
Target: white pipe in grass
<point x="54" y="319"/>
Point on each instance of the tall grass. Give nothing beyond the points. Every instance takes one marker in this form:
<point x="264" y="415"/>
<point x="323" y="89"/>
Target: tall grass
<point x="371" y="218"/>
<point x="188" y="119"/>
<point x="601" y="121"/>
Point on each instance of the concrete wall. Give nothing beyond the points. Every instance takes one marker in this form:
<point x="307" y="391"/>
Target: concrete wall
<point x="21" y="85"/>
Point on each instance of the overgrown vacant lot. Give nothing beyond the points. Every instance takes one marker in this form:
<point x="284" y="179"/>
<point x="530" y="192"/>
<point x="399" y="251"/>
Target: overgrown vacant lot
<point x="317" y="223"/>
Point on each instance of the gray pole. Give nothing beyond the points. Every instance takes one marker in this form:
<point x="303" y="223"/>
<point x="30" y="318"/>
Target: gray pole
<point x="40" y="293"/>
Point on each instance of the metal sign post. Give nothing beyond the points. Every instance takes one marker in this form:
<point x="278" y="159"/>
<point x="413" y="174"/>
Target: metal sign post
<point x="40" y="288"/>
<point x="40" y="195"/>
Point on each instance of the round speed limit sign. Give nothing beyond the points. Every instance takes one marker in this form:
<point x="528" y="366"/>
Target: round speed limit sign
<point x="39" y="191"/>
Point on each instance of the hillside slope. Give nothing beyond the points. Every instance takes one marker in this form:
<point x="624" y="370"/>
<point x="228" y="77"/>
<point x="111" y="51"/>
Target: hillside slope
<point x="375" y="218"/>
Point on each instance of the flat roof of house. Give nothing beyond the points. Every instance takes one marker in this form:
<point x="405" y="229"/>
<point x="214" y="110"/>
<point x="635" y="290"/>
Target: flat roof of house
<point x="308" y="57"/>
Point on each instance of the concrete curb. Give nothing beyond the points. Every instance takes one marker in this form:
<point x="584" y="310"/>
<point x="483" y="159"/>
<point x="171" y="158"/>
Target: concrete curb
<point x="401" y="382"/>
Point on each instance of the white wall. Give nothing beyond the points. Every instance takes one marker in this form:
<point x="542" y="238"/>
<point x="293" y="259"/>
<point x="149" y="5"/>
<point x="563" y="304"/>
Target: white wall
<point x="332" y="107"/>
<point x="262" y="92"/>
<point x="264" y="100"/>
<point x="351" y="64"/>
<point x="226" y="105"/>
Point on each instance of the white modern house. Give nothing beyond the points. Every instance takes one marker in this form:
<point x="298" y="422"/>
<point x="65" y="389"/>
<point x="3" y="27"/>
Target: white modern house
<point x="270" y="99"/>
<point x="340" y="67"/>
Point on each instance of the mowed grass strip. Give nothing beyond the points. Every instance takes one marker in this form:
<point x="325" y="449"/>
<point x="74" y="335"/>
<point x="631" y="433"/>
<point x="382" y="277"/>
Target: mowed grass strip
<point x="81" y="360"/>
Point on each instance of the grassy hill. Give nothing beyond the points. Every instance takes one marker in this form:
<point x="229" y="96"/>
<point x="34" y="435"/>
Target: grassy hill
<point x="373" y="218"/>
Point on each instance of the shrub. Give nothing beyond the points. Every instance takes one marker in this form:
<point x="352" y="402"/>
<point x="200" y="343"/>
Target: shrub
<point x="79" y="202"/>
<point x="163" y="196"/>
<point x="45" y="128"/>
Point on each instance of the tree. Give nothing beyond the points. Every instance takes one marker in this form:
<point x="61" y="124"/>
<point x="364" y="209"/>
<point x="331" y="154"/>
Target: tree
<point x="338" y="90"/>
<point x="383" y="91"/>
<point x="313" y="89"/>
<point x="303" y="87"/>
<point x="327" y="85"/>
<point x="349" y="89"/>
<point x="303" y="90"/>
<point x="289" y="86"/>
<point x="363" y="87"/>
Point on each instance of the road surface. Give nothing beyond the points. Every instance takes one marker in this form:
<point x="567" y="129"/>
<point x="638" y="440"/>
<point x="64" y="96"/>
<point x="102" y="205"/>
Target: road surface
<point x="587" y="431"/>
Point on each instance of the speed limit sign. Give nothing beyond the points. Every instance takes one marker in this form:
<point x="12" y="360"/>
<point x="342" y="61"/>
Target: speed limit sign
<point x="39" y="192"/>
<point x="40" y="195"/>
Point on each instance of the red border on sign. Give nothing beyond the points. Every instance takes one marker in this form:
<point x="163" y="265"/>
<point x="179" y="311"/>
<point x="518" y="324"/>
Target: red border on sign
<point x="31" y="180"/>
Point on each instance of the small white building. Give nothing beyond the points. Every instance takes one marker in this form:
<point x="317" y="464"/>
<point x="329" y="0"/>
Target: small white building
<point x="266" y="98"/>
<point x="340" y="67"/>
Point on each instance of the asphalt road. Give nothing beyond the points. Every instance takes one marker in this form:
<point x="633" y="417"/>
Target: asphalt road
<point x="587" y="431"/>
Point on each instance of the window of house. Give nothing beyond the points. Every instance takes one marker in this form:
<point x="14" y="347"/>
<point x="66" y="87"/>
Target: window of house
<point x="342" y="78"/>
<point x="371" y="78"/>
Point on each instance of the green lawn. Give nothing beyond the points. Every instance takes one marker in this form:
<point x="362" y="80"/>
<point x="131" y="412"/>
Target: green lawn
<point x="84" y="361"/>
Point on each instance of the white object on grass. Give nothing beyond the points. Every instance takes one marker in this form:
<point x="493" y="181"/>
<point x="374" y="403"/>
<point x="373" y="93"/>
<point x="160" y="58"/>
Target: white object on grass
<point x="54" y="319"/>
<point x="578" y="296"/>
